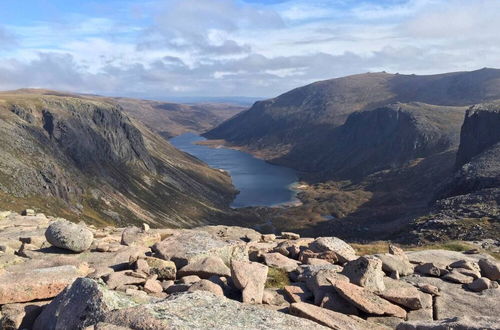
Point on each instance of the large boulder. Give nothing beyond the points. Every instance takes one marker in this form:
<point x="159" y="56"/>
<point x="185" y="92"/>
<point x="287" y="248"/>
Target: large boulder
<point x="455" y="323"/>
<point x="204" y="310"/>
<point x="490" y="269"/>
<point x="205" y="268"/>
<point x="37" y="284"/>
<point x="277" y="260"/>
<point x="367" y="301"/>
<point x="250" y="277"/>
<point x="332" y="319"/>
<point x="344" y="251"/>
<point x="189" y="245"/>
<point x="82" y="304"/>
<point x="366" y="272"/>
<point x="70" y="236"/>
<point x="20" y="316"/>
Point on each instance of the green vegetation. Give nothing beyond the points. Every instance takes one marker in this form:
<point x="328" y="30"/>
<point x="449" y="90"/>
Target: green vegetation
<point x="277" y="278"/>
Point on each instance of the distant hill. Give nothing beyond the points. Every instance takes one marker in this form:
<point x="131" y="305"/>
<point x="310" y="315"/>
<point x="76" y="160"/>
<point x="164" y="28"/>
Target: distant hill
<point x="172" y="119"/>
<point x="285" y="129"/>
<point x="85" y="158"/>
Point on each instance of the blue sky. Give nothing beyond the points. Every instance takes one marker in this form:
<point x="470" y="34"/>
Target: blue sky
<point x="175" y="48"/>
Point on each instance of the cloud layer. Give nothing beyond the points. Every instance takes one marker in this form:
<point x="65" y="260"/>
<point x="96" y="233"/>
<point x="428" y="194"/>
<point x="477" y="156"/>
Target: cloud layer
<point x="234" y="48"/>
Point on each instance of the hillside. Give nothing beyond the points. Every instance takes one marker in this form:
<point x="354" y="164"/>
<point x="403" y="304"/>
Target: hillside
<point x="172" y="119"/>
<point x="84" y="157"/>
<point x="281" y="129"/>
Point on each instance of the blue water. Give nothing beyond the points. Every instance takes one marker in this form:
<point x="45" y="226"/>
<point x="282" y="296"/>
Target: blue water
<point x="259" y="183"/>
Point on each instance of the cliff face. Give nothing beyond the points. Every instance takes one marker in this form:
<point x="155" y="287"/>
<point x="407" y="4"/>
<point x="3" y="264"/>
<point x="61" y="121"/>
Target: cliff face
<point x="280" y="129"/>
<point x="387" y="137"/>
<point x="88" y="159"/>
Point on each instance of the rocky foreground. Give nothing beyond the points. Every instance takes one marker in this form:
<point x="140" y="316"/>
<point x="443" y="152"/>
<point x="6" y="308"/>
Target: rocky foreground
<point x="59" y="275"/>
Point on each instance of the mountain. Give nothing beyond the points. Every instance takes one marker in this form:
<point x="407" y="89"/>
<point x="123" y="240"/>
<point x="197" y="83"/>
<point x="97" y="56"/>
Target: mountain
<point x="172" y="119"/>
<point x="468" y="205"/>
<point x="283" y="129"/>
<point x="86" y="158"/>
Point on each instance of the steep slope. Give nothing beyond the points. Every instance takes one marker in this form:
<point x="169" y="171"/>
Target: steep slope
<point x="468" y="205"/>
<point x="281" y="129"/>
<point x="385" y="138"/>
<point x="172" y="119"/>
<point x="86" y="158"/>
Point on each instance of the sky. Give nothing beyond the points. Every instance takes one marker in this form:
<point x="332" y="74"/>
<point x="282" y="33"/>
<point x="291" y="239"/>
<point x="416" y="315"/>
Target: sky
<point x="225" y="48"/>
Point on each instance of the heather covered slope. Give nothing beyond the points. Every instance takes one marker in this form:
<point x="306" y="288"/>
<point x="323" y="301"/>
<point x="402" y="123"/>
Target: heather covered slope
<point x="280" y="129"/>
<point x="171" y="119"/>
<point x="84" y="157"/>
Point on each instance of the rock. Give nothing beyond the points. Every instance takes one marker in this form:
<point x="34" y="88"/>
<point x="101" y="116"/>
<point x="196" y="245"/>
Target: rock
<point x="490" y="269"/>
<point x="28" y="213"/>
<point x="20" y="316"/>
<point x="141" y="266"/>
<point x="189" y="245"/>
<point x="440" y="258"/>
<point x="232" y="233"/>
<point x="427" y="310"/>
<point x="190" y="279"/>
<point x="36" y="284"/>
<point x="277" y="260"/>
<point x="145" y="227"/>
<point x="164" y="269"/>
<point x="317" y="261"/>
<point x="429" y="269"/>
<point x="366" y="272"/>
<point x="204" y="310"/>
<point x="250" y="277"/>
<point x="395" y="263"/>
<point x="343" y="250"/>
<point x="457" y="277"/>
<point x="388" y="321"/>
<point x="82" y="304"/>
<point x="205" y="268"/>
<point x="466" y="264"/>
<point x="367" y="301"/>
<point x="166" y="284"/>
<point x="401" y="293"/>
<point x="455" y="323"/>
<point x="117" y="279"/>
<point x="305" y="272"/>
<point x="274" y="297"/>
<point x="268" y="238"/>
<point x="133" y="236"/>
<point x="330" y="318"/>
<point x="176" y="288"/>
<point x="480" y="284"/>
<point x="453" y="300"/>
<point x="288" y="235"/>
<point x="206" y="285"/>
<point x="467" y="272"/>
<point x="298" y="292"/>
<point x="69" y="236"/>
<point x="335" y="302"/>
<point x="152" y="285"/>
<point x="321" y="283"/>
<point x="428" y="288"/>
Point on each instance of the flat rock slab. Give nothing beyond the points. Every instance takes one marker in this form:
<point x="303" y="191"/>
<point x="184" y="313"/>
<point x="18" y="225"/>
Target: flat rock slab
<point x="441" y="257"/>
<point x="189" y="245"/>
<point x="204" y="310"/>
<point x="332" y="319"/>
<point x="455" y="301"/>
<point x="456" y="323"/>
<point x="36" y="284"/>
<point x="277" y="260"/>
<point x="367" y="301"/>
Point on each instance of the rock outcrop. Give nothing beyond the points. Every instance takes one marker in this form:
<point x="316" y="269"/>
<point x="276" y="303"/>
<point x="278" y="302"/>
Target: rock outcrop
<point x="112" y="285"/>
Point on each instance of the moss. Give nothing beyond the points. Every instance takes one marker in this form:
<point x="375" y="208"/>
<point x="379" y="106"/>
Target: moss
<point x="277" y="278"/>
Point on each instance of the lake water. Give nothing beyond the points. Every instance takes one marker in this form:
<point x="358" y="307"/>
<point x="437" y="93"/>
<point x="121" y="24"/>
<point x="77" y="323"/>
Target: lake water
<point x="259" y="183"/>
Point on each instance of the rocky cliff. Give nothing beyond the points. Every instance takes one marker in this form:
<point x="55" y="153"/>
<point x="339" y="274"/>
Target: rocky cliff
<point x="386" y="138"/>
<point x="86" y="158"/>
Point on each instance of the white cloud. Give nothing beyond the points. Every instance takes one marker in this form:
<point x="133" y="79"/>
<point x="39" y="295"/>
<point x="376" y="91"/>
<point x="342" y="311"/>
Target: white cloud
<point x="228" y="47"/>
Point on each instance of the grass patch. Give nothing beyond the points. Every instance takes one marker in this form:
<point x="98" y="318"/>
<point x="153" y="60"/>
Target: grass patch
<point x="277" y="278"/>
<point x="371" y="248"/>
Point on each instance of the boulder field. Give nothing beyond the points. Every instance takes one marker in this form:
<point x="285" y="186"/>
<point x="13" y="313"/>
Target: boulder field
<point x="60" y="275"/>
